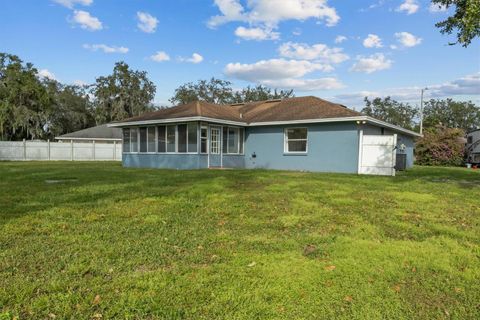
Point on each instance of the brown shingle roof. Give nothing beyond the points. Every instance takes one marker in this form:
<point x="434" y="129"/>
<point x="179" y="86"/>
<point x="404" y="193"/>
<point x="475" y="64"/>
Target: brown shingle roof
<point x="299" y="108"/>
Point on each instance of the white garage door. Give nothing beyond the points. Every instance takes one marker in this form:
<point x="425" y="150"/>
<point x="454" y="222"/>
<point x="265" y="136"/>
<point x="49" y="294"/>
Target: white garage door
<point x="377" y="154"/>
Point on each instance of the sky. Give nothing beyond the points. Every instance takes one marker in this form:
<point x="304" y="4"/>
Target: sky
<point x="338" y="50"/>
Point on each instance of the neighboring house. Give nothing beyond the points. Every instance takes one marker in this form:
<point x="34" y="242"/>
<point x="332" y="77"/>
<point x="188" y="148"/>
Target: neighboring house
<point x="303" y="133"/>
<point x="473" y="147"/>
<point x="99" y="134"/>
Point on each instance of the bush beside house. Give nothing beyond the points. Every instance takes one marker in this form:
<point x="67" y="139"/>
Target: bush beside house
<point x="441" y="146"/>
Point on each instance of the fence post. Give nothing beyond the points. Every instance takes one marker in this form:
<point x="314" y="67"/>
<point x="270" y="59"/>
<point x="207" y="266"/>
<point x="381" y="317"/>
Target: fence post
<point x="114" y="150"/>
<point x="24" y="150"/>
<point x="48" y="149"/>
<point x="71" y="150"/>
<point x="93" y="149"/>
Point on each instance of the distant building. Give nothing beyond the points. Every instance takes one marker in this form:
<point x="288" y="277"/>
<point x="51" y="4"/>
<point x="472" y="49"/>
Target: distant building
<point x="473" y="147"/>
<point x="99" y="134"/>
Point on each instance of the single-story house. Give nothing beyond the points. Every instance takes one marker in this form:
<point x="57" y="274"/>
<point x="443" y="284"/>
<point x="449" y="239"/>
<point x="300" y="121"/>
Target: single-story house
<point x="100" y="134"/>
<point x="301" y="133"/>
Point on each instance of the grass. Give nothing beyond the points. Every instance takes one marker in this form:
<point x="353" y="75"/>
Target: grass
<point x="94" y="240"/>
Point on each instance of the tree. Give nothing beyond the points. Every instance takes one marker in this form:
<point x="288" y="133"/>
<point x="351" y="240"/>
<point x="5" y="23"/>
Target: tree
<point x="24" y="102"/>
<point x="389" y="110"/>
<point x="440" y="146"/>
<point x="466" y="20"/>
<point x="123" y="94"/>
<point x="213" y="91"/>
<point x="72" y="109"/>
<point x="452" y="114"/>
<point x="260" y="93"/>
<point x="220" y="92"/>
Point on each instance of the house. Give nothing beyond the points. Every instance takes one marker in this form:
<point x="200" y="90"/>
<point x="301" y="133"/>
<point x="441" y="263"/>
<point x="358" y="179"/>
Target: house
<point x="99" y="134"/>
<point x="472" y="147"/>
<point x="302" y="133"/>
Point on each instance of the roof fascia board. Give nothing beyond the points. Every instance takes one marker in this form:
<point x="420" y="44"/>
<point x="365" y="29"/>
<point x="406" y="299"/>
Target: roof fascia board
<point x="393" y="127"/>
<point x="172" y="120"/>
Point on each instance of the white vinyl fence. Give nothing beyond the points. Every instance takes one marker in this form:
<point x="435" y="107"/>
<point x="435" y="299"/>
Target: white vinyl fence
<point x="73" y="151"/>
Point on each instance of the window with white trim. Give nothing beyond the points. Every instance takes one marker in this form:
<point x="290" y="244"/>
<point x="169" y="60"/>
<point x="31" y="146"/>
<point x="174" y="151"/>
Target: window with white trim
<point x="182" y="138"/>
<point x="143" y="139"/>
<point x="171" y="138"/>
<point x="162" y="141"/>
<point x="192" y="137"/>
<point x="204" y="139"/>
<point x="233" y="140"/>
<point x="151" y="139"/>
<point x="133" y="140"/>
<point x="296" y="140"/>
<point x="126" y="139"/>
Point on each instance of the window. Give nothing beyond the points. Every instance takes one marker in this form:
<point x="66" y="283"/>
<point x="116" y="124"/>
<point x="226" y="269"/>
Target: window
<point x="469" y="139"/>
<point x="233" y="137"/>
<point x="192" y="137"/>
<point x="295" y="140"/>
<point x="171" y="138"/>
<point x="232" y="140"/>
<point x="203" y="139"/>
<point x="242" y="133"/>
<point x="225" y="140"/>
<point x="215" y="140"/>
<point x="161" y="139"/>
<point x="126" y="140"/>
<point x="182" y="138"/>
<point x="151" y="139"/>
<point x="133" y="140"/>
<point x="143" y="139"/>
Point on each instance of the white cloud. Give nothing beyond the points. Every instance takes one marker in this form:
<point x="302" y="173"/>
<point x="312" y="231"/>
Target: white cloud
<point x="372" y="41"/>
<point x="160" y="56"/>
<point x="269" y="13"/>
<point x="408" y="6"/>
<point x="375" y="5"/>
<point x="305" y="84"/>
<point x="71" y="3"/>
<point x="340" y="39"/>
<point x="146" y="22"/>
<point x="297" y="32"/>
<point x="273" y="69"/>
<point x="281" y="73"/>
<point x="79" y="83"/>
<point x="44" y="73"/>
<point x="195" y="58"/>
<point x="105" y="48"/>
<point x="257" y="34"/>
<point x="466" y="86"/>
<point x="407" y="39"/>
<point x="436" y="8"/>
<point x="86" y="21"/>
<point x="372" y="63"/>
<point x="319" y="52"/>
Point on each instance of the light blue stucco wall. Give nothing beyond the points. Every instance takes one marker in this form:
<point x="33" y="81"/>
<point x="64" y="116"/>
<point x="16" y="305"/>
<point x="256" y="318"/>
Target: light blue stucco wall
<point x="409" y="143"/>
<point x="168" y="161"/>
<point x="332" y="147"/>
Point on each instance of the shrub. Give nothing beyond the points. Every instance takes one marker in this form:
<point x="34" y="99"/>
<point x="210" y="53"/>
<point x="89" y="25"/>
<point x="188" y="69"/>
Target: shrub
<point x="441" y="146"/>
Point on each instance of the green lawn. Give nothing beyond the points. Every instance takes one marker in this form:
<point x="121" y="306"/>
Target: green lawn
<point x="91" y="240"/>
